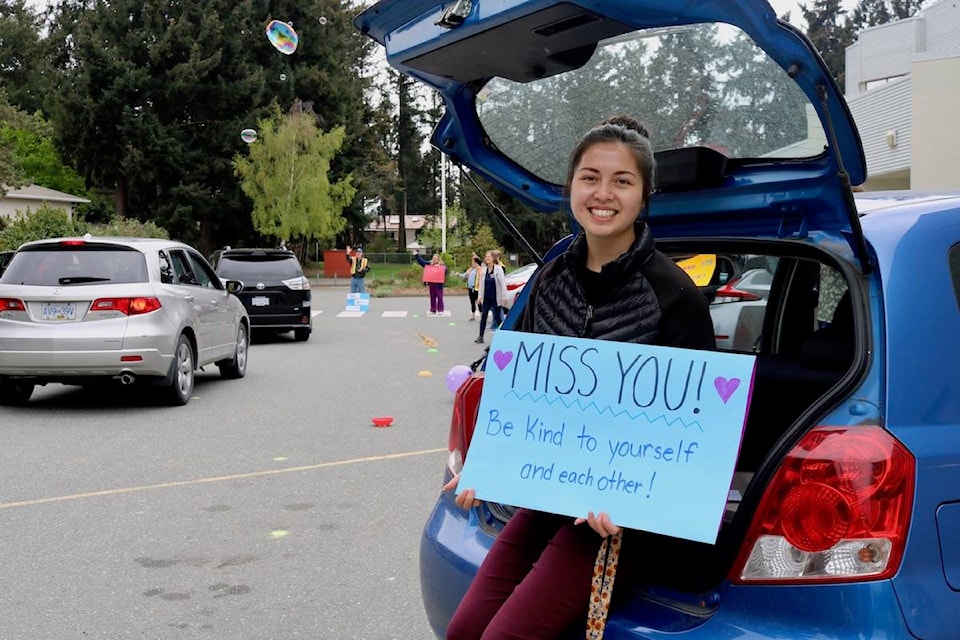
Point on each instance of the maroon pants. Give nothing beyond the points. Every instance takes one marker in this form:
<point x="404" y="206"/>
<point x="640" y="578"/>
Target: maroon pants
<point x="534" y="584"/>
<point x="436" y="297"/>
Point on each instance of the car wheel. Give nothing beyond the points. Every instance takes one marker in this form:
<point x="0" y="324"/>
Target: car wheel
<point x="180" y="388"/>
<point x="237" y="368"/>
<point x="302" y="334"/>
<point x="15" y="394"/>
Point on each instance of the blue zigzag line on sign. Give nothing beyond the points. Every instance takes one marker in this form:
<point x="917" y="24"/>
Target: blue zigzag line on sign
<point x="609" y="410"/>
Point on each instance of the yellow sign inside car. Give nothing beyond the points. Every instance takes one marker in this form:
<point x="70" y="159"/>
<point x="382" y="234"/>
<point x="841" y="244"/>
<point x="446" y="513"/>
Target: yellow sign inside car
<point x="700" y="268"/>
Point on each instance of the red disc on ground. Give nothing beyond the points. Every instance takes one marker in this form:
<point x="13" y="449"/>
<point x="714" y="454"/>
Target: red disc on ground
<point x="384" y="421"/>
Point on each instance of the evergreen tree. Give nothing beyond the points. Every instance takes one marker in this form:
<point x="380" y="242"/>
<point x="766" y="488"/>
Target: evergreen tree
<point x="870" y="13"/>
<point x="23" y="69"/>
<point x="11" y="119"/>
<point x="408" y="153"/>
<point x="153" y="95"/>
<point x="830" y="33"/>
<point x="381" y="182"/>
<point x="761" y="111"/>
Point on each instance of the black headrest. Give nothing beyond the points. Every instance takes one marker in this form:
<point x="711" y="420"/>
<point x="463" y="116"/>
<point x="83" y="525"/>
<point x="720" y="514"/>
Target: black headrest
<point x="843" y="314"/>
<point x="832" y="346"/>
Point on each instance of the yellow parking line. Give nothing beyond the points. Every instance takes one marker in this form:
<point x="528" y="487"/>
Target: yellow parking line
<point x="236" y="476"/>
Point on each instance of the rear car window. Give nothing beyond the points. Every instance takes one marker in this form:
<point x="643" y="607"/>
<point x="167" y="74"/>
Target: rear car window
<point x="258" y="266"/>
<point x="738" y="306"/>
<point x="695" y="85"/>
<point x="65" y="267"/>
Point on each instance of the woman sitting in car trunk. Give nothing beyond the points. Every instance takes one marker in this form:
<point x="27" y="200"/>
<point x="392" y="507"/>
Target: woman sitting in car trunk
<point x="548" y="573"/>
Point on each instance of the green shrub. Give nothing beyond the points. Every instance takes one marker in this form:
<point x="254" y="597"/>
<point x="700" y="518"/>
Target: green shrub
<point x="51" y="222"/>
<point x="128" y="228"/>
<point x="37" y="224"/>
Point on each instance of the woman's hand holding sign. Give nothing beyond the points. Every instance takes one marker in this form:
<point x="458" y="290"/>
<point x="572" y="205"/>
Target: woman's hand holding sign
<point x="467" y="498"/>
<point x="600" y="523"/>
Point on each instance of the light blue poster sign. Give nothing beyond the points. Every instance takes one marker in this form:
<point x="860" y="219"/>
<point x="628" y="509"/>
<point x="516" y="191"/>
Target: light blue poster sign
<point x="648" y="434"/>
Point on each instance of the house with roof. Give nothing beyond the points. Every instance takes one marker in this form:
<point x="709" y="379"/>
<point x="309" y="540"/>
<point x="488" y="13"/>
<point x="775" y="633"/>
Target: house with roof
<point x="33" y="197"/>
<point x="389" y="226"/>
<point x="903" y="89"/>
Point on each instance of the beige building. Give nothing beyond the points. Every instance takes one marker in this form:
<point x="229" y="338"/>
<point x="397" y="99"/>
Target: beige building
<point x="33" y="196"/>
<point x="903" y="88"/>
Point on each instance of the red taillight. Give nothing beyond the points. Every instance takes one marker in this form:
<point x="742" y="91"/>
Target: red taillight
<point x="466" y="404"/>
<point x="837" y="510"/>
<point x="72" y="243"/>
<point x="736" y="295"/>
<point x="11" y="304"/>
<point x="126" y="306"/>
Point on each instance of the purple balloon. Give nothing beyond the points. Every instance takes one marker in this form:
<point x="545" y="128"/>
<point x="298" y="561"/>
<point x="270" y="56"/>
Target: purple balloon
<point x="457" y="376"/>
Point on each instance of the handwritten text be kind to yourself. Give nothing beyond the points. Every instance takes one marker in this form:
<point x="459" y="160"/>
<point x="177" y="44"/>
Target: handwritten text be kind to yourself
<point x="570" y="371"/>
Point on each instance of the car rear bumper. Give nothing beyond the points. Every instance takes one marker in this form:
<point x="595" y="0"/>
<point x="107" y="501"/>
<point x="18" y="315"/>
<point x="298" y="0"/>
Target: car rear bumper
<point x="451" y="548"/>
<point x="453" y="545"/>
<point x="40" y="364"/>
<point x="285" y="321"/>
<point x="97" y="350"/>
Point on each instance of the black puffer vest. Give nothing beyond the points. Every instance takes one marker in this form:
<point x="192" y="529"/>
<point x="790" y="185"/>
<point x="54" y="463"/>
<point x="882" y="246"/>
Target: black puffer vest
<point x="627" y="311"/>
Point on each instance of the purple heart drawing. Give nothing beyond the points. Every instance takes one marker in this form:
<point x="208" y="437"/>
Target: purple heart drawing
<point x="725" y="387"/>
<point x="502" y="358"/>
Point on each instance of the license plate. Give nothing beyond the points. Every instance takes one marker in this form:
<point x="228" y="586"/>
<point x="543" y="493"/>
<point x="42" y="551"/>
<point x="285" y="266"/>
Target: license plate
<point x="260" y="301"/>
<point x="59" y="311"/>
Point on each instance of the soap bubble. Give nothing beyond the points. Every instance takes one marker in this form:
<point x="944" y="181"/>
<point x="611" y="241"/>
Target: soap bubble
<point x="322" y="20"/>
<point x="248" y="135"/>
<point x="282" y="36"/>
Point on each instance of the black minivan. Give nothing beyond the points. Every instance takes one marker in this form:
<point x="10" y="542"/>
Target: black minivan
<point x="275" y="291"/>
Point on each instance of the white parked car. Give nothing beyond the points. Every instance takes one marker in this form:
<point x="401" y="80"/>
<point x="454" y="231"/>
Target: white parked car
<point x="737" y="310"/>
<point x="515" y="281"/>
<point x="126" y="310"/>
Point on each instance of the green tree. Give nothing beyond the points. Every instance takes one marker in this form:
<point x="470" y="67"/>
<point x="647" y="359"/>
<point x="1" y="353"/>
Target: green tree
<point x="127" y="228"/>
<point x="24" y="72"/>
<point x="152" y="97"/>
<point x="408" y="152"/>
<point x="39" y="161"/>
<point x="381" y="183"/>
<point x="830" y="32"/>
<point x="761" y="109"/>
<point x="11" y="119"/>
<point x="869" y="13"/>
<point x="286" y="175"/>
<point x="541" y="230"/>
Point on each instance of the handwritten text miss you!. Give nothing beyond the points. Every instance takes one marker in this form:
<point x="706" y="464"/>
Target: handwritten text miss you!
<point x="651" y="391"/>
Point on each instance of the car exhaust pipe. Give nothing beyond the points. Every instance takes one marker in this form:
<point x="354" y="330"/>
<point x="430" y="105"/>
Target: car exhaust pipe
<point x="127" y="378"/>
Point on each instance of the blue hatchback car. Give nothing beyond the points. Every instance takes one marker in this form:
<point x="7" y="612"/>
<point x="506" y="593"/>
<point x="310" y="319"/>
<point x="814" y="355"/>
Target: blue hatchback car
<point x="843" y="516"/>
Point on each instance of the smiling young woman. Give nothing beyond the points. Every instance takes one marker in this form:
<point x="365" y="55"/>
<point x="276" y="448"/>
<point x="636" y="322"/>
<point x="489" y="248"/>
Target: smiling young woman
<point x="610" y="284"/>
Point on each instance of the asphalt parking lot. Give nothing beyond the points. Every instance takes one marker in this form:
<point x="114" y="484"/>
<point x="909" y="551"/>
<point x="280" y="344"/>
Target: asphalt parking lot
<point x="268" y="507"/>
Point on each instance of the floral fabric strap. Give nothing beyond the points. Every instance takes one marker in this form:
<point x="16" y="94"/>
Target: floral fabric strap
<point x="604" y="573"/>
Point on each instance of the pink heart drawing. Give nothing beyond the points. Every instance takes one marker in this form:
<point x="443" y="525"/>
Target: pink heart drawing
<point x="502" y="358"/>
<point x="726" y="387"/>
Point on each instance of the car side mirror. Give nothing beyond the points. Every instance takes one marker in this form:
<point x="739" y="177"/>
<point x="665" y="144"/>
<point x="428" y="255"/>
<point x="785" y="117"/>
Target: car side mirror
<point x="233" y="286"/>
